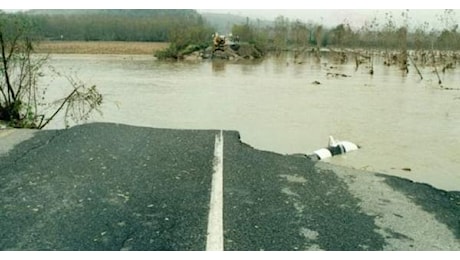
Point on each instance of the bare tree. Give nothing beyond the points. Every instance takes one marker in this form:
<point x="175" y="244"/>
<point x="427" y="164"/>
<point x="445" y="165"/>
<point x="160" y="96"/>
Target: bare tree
<point x="21" y="98"/>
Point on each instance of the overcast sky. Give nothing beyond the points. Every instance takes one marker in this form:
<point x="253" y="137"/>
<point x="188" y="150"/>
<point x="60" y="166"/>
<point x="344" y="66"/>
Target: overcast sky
<point x="327" y="12"/>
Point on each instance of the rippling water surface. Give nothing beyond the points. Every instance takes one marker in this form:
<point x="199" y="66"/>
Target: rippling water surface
<point x="406" y="126"/>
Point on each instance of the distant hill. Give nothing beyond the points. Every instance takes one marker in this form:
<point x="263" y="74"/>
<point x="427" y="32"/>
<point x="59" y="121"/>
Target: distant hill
<point x="115" y="12"/>
<point x="223" y="23"/>
<point x="158" y="25"/>
<point x="133" y="24"/>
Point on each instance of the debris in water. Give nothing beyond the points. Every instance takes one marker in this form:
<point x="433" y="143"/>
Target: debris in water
<point x="336" y="75"/>
<point x="407" y="169"/>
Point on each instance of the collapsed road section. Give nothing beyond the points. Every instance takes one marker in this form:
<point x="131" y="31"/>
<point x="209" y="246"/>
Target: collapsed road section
<point x="105" y="186"/>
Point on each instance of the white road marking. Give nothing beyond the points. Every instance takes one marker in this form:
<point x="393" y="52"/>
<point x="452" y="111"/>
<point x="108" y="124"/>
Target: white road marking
<point x="215" y="238"/>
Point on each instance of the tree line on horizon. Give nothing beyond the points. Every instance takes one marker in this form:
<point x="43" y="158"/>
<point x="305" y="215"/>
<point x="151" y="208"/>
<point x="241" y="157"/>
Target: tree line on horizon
<point x="184" y="27"/>
<point x="378" y="34"/>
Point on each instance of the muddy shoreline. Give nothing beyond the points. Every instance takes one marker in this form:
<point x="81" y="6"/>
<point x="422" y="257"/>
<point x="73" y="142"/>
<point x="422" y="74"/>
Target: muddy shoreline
<point x="99" y="47"/>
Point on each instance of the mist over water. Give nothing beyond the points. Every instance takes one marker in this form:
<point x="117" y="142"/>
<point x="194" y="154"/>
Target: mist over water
<point x="406" y="126"/>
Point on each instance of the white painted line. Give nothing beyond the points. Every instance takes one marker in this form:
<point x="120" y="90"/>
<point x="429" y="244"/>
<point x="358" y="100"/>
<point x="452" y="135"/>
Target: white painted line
<point x="215" y="238"/>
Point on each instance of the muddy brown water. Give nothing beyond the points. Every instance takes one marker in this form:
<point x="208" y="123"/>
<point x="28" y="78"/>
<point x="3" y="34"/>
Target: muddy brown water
<point x="406" y="126"/>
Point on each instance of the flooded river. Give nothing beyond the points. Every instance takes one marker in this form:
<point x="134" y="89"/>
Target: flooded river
<point x="406" y="126"/>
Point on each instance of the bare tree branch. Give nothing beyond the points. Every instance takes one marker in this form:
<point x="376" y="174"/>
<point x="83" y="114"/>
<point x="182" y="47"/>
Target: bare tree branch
<point x="59" y="109"/>
<point x="6" y="73"/>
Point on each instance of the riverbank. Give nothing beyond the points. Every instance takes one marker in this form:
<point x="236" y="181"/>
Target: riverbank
<point x="138" y="48"/>
<point x="100" y="47"/>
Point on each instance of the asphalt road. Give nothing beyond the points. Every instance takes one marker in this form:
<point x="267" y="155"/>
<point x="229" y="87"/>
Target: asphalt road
<point x="116" y="187"/>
